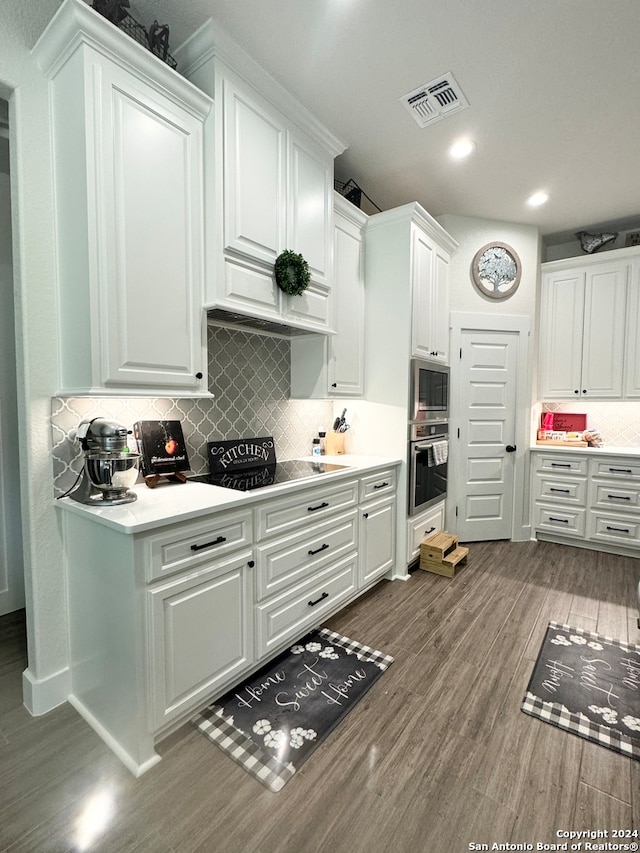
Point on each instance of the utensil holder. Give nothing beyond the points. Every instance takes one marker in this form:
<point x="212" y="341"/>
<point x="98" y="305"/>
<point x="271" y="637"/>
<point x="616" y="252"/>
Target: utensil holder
<point x="334" y="443"/>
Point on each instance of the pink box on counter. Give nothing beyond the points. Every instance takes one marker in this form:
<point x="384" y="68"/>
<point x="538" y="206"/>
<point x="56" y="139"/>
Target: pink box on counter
<point x="566" y="421"/>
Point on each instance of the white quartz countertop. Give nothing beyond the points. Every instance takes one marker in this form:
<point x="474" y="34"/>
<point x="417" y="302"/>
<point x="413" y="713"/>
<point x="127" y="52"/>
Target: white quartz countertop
<point x="170" y="503"/>
<point x="602" y="451"/>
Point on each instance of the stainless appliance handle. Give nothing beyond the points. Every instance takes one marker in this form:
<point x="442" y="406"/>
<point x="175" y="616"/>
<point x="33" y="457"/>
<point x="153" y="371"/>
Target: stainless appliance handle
<point x="428" y="444"/>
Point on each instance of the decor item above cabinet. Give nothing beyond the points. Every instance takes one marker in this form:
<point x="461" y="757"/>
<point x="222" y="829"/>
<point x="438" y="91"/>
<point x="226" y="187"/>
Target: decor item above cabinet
<point x="269" y="187"/>
<point x="333" y="365"/>
<point x="128" y="160"/>
<point x="582" y="329"/>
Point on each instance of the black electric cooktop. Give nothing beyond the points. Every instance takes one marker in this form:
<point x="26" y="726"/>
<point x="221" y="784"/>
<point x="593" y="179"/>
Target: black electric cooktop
<point x="267" y="475"/>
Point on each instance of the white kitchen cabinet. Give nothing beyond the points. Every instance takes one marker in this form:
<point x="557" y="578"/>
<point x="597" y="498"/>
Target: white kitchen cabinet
<point x="165" y="619"/>
<point x="430" y="294"/>
<point x="632" y="345"/>
<point x="333" y="366"/>
<point x="587" y="500"/>
<point x="201" y="634"/>
<point x="423" y="525"/>
<point x="128" y="156"/>
<point x="377" y="539"/>
<point x="582" y="329"/>
<point x="271" y="190"/>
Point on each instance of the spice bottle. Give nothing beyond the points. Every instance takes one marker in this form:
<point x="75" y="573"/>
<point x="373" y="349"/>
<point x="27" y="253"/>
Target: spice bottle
<point x="316" y="450"/>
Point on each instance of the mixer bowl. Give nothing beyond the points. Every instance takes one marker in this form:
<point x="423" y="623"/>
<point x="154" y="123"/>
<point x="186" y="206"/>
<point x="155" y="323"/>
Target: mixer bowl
<point x="113" y="474"/>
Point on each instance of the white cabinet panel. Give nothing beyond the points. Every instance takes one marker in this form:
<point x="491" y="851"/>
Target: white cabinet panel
<point x="377" y="540"/>
<point x="254" y="169"/>
<point x="310" y="207"/>
<point x="430" y="301"/>
<point x="128" y="154"/>
<point x="582" y="331"/>
<point x="201" y="635"/>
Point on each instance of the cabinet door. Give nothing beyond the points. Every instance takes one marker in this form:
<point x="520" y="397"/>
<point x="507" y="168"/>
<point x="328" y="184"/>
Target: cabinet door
<point x="424" y="304"/>
<point x="632" y="338"/>
<point x="148" y="235"/>
<point x="378" y="540"/>
<point x="442" y="263"/>
<point x="604" y="327"/>
<point x="561" y="326"/>
<point x="201" y="635"/>
<point x="254" y="176"/>
<point x="310" y="206"/>
<point x="346" y="348"/>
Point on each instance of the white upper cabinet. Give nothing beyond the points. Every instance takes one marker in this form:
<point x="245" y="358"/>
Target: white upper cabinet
<point x="582" y="329"/>
<point x="269" y="187"/>
<point x="128" y="161"/>
<point x="333" y="365"/>
<point x="632" y="348"/>
<point x="430" y="295"/>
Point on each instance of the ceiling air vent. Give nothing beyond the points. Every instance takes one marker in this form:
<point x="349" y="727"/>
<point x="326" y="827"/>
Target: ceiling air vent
<point x="435" y="100"/>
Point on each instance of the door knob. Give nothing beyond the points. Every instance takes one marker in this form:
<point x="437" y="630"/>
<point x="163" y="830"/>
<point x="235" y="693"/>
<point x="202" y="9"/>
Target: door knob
<point x="511" y="448"/>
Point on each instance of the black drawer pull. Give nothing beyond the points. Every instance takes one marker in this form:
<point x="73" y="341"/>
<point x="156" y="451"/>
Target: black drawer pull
<point x="381" y="485"/>
<point x="562" y="520"/>
<point x="564" y="491"/>
<point x="317" y="551"/>
<point x="429" y="531"/>
<point x="621" y="470"/>
<point x="561" y="465"/>
<point x="209" y="544"/>
<point x="318" y="600"/>
<point x="618" y="529"/>
<point x="320" y="506"/>
<point x="619" y="497"/>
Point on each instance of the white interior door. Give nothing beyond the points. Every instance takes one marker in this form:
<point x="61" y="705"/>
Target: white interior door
<point x="487" y="407"/>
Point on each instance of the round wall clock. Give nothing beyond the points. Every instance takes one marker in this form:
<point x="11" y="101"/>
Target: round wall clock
<point x="496" y="270"/>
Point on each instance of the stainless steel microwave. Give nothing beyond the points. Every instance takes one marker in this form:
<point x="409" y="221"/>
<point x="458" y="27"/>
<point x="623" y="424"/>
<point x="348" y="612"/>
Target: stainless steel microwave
<point x="429" y="391"/>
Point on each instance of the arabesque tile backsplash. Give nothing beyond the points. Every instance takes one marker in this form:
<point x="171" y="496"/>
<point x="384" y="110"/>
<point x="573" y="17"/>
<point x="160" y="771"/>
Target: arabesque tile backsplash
<point x="249" y="375"/>
<point x="618" y="422"/>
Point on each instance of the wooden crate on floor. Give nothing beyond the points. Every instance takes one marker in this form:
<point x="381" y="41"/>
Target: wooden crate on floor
<point x="441" y="554"/>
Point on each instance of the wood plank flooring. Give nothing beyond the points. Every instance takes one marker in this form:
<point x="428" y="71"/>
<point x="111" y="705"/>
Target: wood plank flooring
<point x="436" y="757"/>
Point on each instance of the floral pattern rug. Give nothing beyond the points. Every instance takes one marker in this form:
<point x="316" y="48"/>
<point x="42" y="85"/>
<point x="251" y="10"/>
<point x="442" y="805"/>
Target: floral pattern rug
<point x="272" y="722"/>
<point x="588" y="684"/>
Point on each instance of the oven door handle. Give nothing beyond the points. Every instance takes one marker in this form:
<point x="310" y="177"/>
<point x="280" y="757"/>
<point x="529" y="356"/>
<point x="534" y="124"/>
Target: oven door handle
<point x="428" y="445"/>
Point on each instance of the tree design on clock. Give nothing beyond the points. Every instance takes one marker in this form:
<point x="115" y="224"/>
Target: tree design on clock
<point x="496" y="270"/>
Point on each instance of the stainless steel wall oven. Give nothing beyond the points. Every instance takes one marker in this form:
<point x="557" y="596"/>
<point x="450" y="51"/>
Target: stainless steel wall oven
<point x="427" y="464"/>
<point x="429" y="391"/>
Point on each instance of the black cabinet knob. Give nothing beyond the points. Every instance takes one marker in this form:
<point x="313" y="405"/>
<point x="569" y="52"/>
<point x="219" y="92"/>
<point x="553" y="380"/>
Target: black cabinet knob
<point x="365" y="515"/>
<point x="334" y="384"/>
<point x="251" y="564"/>
<point x="511" y="448"/>
<point x="576" y="391"/>
<point x="198" y="375"/>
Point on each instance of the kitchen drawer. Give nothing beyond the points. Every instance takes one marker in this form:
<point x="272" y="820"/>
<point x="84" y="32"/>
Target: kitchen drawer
<point x="185" y="546"/>
<point x="304" y="508"/>
<point x="563" y="489"/>
<point x="615" y="469"/>
<point x="377" y="485"/>
<point x="423" y="525"/>
<point x="300" y="555"/>
<point x="609" y="527"/>
<point x="567" y="521"/>
<point x="615" y="496"/>
<point x="288" y="616"/>
<point x="561" y="464"/>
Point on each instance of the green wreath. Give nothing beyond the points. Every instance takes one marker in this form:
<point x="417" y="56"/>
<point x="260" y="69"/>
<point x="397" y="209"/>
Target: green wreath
<point x="292" y="273"/>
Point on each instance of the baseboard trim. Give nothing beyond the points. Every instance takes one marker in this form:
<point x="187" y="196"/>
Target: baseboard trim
<point x="115" y="746"/>
<point x="41" y="695"/>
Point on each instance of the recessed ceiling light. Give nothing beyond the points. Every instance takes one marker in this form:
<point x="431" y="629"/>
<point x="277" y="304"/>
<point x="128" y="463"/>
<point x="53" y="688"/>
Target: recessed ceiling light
<point x="538" y="198"/>
<point x="462" y="148"/>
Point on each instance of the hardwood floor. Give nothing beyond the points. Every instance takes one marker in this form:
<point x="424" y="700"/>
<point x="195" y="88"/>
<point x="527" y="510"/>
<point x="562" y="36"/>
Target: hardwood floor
<point x="436" y="757"/>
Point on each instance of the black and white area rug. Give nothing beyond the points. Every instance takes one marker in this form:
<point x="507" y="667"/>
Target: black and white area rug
<point x="589" y="685"/>
<point x="272" y="722"/>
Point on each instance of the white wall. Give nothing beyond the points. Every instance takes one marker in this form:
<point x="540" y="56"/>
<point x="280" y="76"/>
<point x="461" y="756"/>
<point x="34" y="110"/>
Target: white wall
<point x="11" y="564"/>
<point x="21" y="22"/>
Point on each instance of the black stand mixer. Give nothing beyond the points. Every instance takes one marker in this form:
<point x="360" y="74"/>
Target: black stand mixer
<point x="109" y="468"/>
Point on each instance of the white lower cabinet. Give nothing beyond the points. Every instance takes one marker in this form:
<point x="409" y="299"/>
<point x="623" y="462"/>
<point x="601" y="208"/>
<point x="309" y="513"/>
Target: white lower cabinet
<point x="201" y="634"/>
<point x="164" y="621"/>
<point x="377" y="539"/>
<point x="420" y="526"/>
<point x="592" y="501"/>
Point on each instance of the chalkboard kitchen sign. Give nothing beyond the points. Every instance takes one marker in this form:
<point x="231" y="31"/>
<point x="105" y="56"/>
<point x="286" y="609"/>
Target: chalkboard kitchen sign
<point x="240" y="454"/>
<point x="588" y="684"/>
